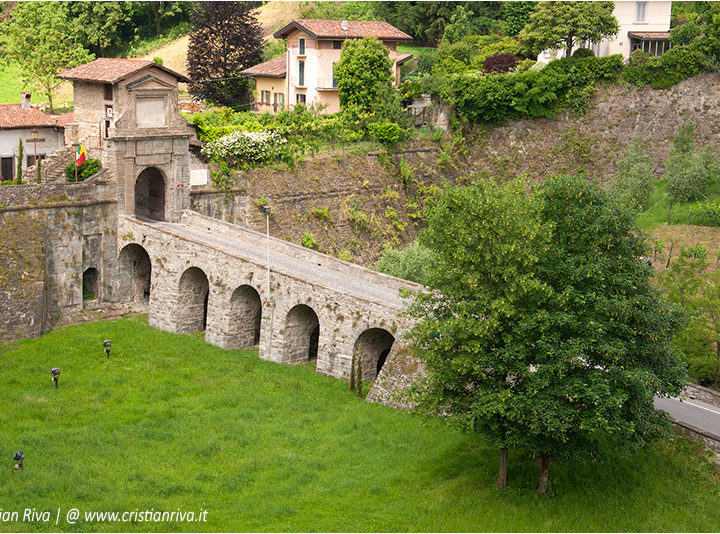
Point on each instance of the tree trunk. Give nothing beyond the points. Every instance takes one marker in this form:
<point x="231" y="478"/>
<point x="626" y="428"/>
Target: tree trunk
<point x="544" y="473"/>
<point x="502" y="472"/>
<point x="568" y="45"/>
<point x="670" y="210"/>
<point x="672" y="244"/>
<point x="49" y="95"/>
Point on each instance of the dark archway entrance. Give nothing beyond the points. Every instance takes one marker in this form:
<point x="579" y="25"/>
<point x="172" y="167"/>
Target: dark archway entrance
<point x="150" y="195"/>
<point x="245" y="317"/>
<point x="90" y="284"/>
<point x="374" y="344"/>
<point x="301" y="336"/>
<point x="135" y="274"/>
<point x="192" y="302"/>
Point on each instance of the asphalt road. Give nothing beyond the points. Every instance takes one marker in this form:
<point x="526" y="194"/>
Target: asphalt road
<point x="286" y="264"/>
<point x="693" y="412"/>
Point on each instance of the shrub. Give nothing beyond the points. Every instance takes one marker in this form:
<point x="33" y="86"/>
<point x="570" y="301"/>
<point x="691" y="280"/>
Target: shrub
<point x="632" y="185"/>
<point x="500" y="63"/>
<point x="673" y="66"/>
<point x="706" y="213"/>
<point x="583" y="52"/>
<point x="86" y="170"/>
<point x="308" y="240"/>
<point x="244" y="146"/>
<point x="411" y="263"/>
<point x="386" y="133"/>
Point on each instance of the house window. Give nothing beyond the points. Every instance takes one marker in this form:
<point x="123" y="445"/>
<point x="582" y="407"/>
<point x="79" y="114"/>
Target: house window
<point x="280" y="100"/>
<point x="300" y="98"/>
<point x="6" y="168"/>
<point x="334" y="79"/>
<point x="265" y="97"/>
<point x="301" y="74"/>
<point x="640" y="8"/>
<point x="108" y="91"/>
<point x="107" y="129"/>
<point x="31" y="160"/>
<point x="337" y="45"/>
<point x="302" y="47"/>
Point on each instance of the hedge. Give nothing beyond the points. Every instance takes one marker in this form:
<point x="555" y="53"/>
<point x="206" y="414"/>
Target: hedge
<point x="664" y="71"/>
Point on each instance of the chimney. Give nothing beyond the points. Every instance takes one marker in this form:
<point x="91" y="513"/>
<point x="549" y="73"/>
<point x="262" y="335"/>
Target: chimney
<point x="25" y="100"/>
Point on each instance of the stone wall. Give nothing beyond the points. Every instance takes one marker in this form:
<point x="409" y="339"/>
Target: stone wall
<point x="49" y="235"/>
<point x="710" y="396"/>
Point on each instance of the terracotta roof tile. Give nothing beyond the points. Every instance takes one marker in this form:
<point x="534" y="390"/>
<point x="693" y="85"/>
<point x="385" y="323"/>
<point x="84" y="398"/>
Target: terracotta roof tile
<point x="14" y="116"/>
<point x="649" y="35"/>
<point x="275" y="68"/>
<point x="66" y="118"/>
<point x="332" y="29"/>
<point x="111" y="70"/>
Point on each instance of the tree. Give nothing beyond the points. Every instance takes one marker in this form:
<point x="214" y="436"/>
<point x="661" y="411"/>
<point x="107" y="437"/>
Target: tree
<point x="544" y="355"/>
<point x="97" y="24"/>
<point x="564" y="24"/>
<point x="225" y="39"/>
<point x="18" y="175"/>
<point x="363" y="73"/>
<point x="632" y="185"/>
<point x="689" y="171"/>
<point x="411" y="263"/>
<point x="515" y="16"/>
<point x="40" y="40"/>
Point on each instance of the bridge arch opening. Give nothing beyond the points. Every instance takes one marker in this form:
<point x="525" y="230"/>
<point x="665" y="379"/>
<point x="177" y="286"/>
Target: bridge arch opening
<point x="150" y="194"/>
<point x="245" y="317"/>
<point x="373" y="345"/>
<point x="192" y="302"/>
<point x="301" y="334"/>
<point x="135" y="273"/>
<point x="91" y="277"/>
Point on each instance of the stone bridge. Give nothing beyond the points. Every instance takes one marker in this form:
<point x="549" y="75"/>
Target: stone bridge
<point x="203" y="274"/>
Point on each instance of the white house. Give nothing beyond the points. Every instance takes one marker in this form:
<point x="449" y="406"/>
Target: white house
<point x="40" y="133"/>
<point x="644" y="25"/>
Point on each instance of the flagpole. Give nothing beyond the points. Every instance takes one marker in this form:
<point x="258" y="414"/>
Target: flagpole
<point x="76" y="165"/>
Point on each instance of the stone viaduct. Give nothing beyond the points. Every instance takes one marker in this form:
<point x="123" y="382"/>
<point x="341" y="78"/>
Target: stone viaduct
<point x="194" y="273"/>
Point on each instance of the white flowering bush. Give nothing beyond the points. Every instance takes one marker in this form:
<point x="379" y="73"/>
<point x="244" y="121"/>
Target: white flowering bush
<point x="249" y="147"/>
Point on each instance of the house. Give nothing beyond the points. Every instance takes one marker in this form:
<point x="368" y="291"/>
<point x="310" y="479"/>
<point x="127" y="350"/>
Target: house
<point x="643" y="25"/>
<point x="304" y="75"/>
<point x="40" y="133"/>
<point x="105" y="89"/>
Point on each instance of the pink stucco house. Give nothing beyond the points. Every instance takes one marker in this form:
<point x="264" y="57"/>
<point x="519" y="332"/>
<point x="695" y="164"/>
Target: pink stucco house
<point x="305" y="73"/>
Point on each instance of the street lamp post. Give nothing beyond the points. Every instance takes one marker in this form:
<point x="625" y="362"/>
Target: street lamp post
<point x="34" y="133"/>
<point x="266" y="211"/>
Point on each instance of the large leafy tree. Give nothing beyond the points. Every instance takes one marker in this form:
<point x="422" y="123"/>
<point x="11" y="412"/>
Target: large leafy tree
<point x="565" y="24"/>
<point x="97" y="24"/>
<point x="364" y="74"/>
<point x="543" y="331"/>
<point x="225" y="39"/>
<point x="39" y="38"/>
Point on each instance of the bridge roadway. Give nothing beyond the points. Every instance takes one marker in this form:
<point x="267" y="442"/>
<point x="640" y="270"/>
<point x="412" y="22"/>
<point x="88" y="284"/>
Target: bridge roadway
<point x="693" y="412"/>
<point x="312" y="272"/>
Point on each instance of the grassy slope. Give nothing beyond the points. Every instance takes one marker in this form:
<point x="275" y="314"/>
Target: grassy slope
<point x="170" y="422"/>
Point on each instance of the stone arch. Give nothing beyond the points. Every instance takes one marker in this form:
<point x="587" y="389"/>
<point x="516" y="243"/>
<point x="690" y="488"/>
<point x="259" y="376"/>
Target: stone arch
<point x="374" y="344"/>
<point x="245" y="318"/>
<point x="301" y="335"/>
<point x="192" y="302"/>
<point x="135" y="273"/>
<point x="90" y="284"/>
<point x="150" y="194"/>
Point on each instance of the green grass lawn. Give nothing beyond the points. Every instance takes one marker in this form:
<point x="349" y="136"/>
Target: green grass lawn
<point x="171" y="423"/>
<point x="11" y="86"/>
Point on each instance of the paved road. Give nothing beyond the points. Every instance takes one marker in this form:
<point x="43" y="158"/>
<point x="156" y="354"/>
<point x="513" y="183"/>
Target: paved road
<point x="693" y="412"/>
<point x="285" y="264"/>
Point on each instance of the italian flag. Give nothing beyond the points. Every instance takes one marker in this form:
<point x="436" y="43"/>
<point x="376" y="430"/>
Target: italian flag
<point x="80" y="155"/>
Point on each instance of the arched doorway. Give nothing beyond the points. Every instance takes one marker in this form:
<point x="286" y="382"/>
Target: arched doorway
<point x="135" y="274"/>
<point x="374" y="345"/>
<point x="245" y="317"/>
<point x="150" y="194"/>
<point x="301" y="335"/>
<point x="192" y="302"/>
<point x="90" y="284"/>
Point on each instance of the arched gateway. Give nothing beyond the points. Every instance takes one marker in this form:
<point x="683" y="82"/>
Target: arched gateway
<point x="150" y="194"/>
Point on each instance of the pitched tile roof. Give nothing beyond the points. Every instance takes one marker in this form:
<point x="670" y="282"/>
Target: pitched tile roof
<point x="66" y="118"/>
<point x="275" y="68"/>
<point x="14" y="116"/>
<point x="402" y="58"/>
<point x="332" y="29"/>
<point x="112" y="70"/>
<point x="649" y="35"/>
